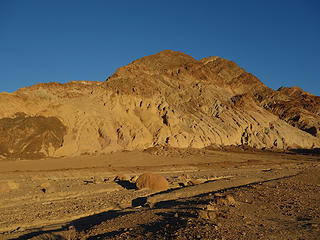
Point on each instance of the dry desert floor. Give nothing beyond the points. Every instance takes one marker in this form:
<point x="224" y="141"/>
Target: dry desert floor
<point x="212" y="195"/>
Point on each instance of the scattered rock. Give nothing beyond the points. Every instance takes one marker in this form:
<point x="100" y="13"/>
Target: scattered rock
<point x="152" y="181"/>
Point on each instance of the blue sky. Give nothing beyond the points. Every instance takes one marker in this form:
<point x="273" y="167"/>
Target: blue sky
<point x="43" y="41"/>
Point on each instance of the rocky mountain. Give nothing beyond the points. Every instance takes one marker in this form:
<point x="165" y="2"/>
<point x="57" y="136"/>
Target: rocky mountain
<point x="167" y="99"/>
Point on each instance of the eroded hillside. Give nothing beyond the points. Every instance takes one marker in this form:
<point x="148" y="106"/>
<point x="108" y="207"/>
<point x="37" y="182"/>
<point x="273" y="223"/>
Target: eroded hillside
<point x="166" y="99"/>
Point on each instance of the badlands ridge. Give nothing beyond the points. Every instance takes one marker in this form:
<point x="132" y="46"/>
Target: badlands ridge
<point x="167" y="99"/>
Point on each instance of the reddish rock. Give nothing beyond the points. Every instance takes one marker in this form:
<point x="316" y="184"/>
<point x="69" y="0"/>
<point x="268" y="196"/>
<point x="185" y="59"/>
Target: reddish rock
<point x="152" y="181"/>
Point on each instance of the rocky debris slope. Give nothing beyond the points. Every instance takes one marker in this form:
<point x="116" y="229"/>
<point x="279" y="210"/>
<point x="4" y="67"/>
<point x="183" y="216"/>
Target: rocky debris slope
<point x="297" y="107"/>
<point x="167" y="99"/>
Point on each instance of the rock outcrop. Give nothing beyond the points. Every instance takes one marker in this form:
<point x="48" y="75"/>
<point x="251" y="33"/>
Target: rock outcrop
<point x="167" y="99"/>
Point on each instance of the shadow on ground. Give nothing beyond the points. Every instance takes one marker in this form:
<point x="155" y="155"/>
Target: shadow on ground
<point x="79" y="225"/>
<point x="163" y="229"/>
<point x="126" y="184"/>
<point x="315" y="151"/>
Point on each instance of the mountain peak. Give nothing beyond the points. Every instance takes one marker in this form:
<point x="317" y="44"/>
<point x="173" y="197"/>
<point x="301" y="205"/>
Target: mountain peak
<point x="165" y="59"/>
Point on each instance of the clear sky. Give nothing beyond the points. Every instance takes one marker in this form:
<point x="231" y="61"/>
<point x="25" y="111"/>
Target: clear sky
<point x="43" y="41"/>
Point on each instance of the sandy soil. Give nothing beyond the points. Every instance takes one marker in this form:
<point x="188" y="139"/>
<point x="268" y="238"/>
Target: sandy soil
<point x="76" y="198"/>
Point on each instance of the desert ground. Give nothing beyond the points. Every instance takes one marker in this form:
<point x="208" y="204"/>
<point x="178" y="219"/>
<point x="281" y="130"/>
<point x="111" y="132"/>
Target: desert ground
<point x="213" y="194"/>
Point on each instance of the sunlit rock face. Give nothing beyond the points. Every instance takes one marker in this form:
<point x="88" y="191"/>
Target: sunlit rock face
<point x="167" y="99"/>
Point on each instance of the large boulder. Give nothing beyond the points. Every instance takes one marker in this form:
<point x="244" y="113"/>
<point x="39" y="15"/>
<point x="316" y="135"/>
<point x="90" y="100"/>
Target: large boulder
<point x="152" y="181"/>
